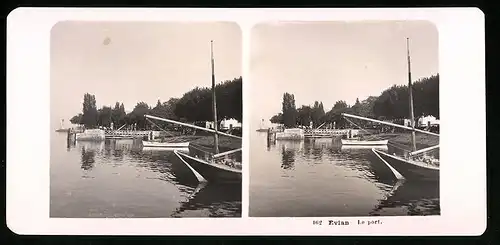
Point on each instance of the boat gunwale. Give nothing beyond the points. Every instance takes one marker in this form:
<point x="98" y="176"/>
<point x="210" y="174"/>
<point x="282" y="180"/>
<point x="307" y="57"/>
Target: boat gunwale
<point x="219" y="166"/>
<point x="415" y="163"/>
<point x="165" y="144"/>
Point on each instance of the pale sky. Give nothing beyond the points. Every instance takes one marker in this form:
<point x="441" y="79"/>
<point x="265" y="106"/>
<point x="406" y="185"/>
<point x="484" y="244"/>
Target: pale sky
<point x="142" y="61"/>
<point x="330" y="61"/>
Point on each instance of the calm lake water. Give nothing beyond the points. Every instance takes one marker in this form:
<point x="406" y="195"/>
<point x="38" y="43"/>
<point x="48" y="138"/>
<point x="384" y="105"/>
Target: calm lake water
<point x="322" y="178"/>
<point x="117" y="178"/>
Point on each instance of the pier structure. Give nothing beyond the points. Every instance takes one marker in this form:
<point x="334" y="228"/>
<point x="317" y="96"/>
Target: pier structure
<point x="127" y="134"/>
<point x="117" y="134"/>
<point x="328" y="133"/>
<point x="273" y="135"/>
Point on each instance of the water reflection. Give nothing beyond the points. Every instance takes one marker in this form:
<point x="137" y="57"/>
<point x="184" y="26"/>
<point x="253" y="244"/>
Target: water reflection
<point x="87" y="159"/>
<point x="70" y="142"/>
<point x="214" y="199"/>
<point x="118" y="178"/>
<point x="324" y="178"/>
<point x="412" y="198"/>
<point x="288" y="157"/>
<point x="88" y="153"/>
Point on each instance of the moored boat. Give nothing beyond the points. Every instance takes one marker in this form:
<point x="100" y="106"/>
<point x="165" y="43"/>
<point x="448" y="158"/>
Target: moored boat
<point x="355" y="147"/>
<point x="172" y="142"/>
<point x="183" y="149"/>
<point x="220" y="170"/>
<point x="423" y="169"/>
<point x="216" y="167"/>
<point x="417" y="164"/>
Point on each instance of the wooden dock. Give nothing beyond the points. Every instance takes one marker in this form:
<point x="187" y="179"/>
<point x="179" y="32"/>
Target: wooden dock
<point x="313" y="133"/>
<point x="126" y="134"/>
<point x="326" y="133"/>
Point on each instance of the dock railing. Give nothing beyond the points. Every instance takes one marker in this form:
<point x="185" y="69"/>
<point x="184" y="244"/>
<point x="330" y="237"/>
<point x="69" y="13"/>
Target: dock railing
<point x="230" y="158"/>
<point x="332" y="132"/>
<point x="126" y="134"/>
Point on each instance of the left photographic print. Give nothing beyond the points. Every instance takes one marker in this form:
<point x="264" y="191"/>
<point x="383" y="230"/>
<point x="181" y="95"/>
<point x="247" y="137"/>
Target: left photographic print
<point x="145" y="120"/>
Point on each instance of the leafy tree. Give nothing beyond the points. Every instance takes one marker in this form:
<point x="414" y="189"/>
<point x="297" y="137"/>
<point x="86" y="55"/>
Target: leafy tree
<point x="289" y="110"/>
<point x="340" y="105"/>
<point x="393" y="103"/>
<point x="76" y="119"/>
<point x="317" y="113"/>
<point x="118" y="115"/>
<point x="90" y="116"/>
<point x="277" y="118"/>
<point x="137" y="116"/>
<point x="356" y="107"/>
<point x="366" y="107"/>
<point x="105" y="116"/>
<point x="122" y="115"/>
<point x="196" y="104"/>
<point x="335" y="114"/>
<point x="304" y="115"/>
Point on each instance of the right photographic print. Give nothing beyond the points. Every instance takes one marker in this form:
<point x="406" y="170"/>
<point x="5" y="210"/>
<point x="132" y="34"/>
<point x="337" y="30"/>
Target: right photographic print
<point x="344" y="119"/>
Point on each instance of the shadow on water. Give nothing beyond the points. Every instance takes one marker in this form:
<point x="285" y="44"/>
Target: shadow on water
<point x="414" y="197"/>
<point x="217" y="199"/>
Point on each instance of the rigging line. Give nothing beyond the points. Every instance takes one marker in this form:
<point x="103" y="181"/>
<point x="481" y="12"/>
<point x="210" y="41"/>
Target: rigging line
<point x="369" y="134"/>
<point x="356" y="125"/>
<point x="379" y="138"/>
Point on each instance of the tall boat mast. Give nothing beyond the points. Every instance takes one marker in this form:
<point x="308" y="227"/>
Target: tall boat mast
<point x="214" y="103"/>
<point x="412" y="117"/>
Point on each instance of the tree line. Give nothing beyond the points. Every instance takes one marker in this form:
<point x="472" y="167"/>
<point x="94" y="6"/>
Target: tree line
<point x="391" y="104"/>
<point x="194" y="106"/>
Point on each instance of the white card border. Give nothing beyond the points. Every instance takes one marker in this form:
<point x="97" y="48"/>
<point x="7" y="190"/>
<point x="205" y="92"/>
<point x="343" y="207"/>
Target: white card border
<point x="462" y="90"/>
